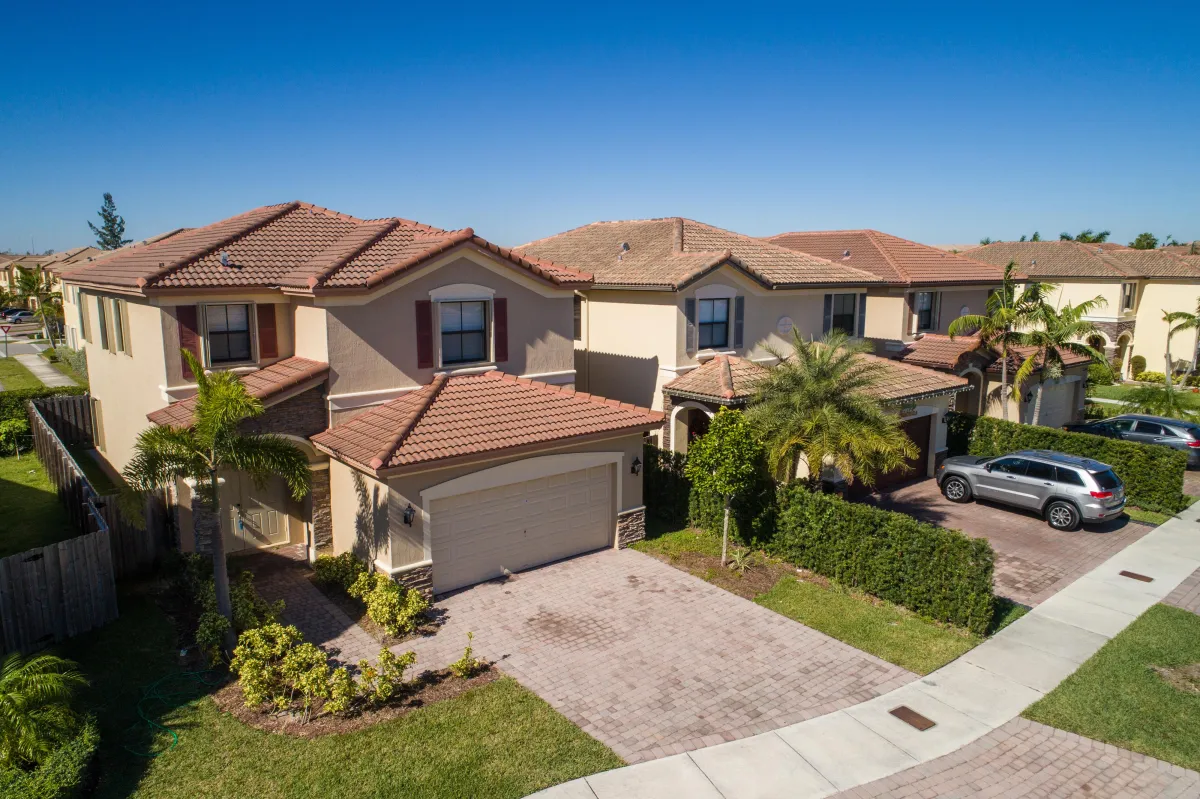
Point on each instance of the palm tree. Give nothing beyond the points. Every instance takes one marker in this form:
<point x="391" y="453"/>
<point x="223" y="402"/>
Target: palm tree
<point x="211" y="445"/>
<point x="819" y="404"/>
<point x="36" y="287"/>
<point x="1055" y="333"/>
<point x="1177" y="322"/>
<point x="1006" y="313"/>
<point x="1157" y="400"/>
<point x="34" y="712"/>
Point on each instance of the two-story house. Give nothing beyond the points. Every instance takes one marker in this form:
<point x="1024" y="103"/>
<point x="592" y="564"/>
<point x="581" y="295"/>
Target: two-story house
<point x="681" y="316"/>
<point x="428" y="374"/>
<point x="1138" y="287"/>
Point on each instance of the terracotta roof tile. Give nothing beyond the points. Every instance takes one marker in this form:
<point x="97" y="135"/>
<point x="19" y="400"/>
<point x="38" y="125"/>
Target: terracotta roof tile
<point x="891" y="258"/>
<point x="1048" y="260"/>
<point x="668" y="253"/>
<point x="264" y="384"/>
<point x="474" y="414"/>
<point x="942" y="352"/>
<point x="293" y="245"/>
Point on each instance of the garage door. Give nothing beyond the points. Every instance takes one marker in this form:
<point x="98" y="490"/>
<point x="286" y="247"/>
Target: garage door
<point x="477" y="536"/>
<point x="918" y="430"/>
<point x="1056" y="404"/>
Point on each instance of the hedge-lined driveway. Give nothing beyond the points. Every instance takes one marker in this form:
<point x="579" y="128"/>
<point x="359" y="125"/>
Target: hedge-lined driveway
<point x="1033" y="561"/>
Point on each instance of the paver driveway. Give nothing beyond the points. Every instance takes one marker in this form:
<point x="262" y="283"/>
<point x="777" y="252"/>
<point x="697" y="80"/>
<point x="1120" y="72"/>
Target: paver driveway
<point x="1033" y="562"/>
<point x="651" y="660"/>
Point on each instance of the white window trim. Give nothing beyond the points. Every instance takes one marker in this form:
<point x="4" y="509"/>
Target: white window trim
<point x="252" y="321"/>
<point x="489" y="332"/>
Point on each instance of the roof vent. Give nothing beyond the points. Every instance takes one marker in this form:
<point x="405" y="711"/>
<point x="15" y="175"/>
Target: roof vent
<point x="224" y="258"/>
<point x="846" y="254"/>
<point x="624" y="249"/>
<point x="1033" y="262"/>
<point x="1100" y="251"/>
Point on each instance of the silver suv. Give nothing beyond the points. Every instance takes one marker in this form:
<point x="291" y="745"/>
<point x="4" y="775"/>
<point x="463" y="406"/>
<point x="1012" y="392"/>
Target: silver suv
<point x="1067" y="491"/>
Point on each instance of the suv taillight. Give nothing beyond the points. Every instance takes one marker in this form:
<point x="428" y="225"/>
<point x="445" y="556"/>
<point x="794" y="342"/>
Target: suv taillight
<point x="1193" y="444"/>
<point x="1102" y="494"/>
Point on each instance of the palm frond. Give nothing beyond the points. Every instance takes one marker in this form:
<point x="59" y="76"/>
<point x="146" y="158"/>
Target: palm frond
<point x="265" y="456"/>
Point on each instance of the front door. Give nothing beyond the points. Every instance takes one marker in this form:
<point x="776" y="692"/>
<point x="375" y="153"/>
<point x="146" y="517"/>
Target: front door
<point x="255" y="517"/>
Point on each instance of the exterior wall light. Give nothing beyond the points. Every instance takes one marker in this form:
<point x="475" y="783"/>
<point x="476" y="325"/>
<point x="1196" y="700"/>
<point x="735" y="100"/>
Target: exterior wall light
<point x="636" y="466"/>
<point x="407" y="516"/>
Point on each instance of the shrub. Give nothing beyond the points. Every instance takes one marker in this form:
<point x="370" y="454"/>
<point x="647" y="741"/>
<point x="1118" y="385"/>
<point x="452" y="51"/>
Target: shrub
<point x="340" y="571"/>
<point x="1153" y="474"/>
<point x="342" y="691"/>
<point x="468" y="665"/>
<point x="274" y="665"/>
<point x="751" y="514"/>
<point x="382" y="681"/>
<point x="1137" y="364"/>
<point x="1150" y="377"/>
<point x="938" y="573"/>
<point x="64" y="774"/>
<point x="250" y="610"/>
<point x="76" y="359"/>
<point x="1100" y="374"/>
<point x="397" y="609"/>
<point x="12" y="403"/>
<point x="1100" y="410"/>
<point x="665" y="488"/>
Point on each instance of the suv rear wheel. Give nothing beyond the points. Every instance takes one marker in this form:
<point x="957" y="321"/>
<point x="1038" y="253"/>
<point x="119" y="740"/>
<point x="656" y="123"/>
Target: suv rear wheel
<point x="956" y="489"/>
<point x="1062" y="516"/>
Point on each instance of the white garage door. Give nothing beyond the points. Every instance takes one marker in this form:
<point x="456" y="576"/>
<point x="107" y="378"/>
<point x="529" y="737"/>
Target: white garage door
<point x="1056" y="404"/>
<point x="478" y="535"/>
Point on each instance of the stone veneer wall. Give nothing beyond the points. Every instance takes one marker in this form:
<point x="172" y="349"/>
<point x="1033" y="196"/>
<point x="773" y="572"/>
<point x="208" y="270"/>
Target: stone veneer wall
<point x="322" y="514"/>
<point x="418" y="579"/>
<point x="666" y="428"/>
<point x="631" y="527"/>
<point x="303" y="415"/>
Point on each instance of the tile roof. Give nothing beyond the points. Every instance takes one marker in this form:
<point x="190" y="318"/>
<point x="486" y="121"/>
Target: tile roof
<point x="730" y="380"/>
<point x="55" y="262"/>
<point x="469" y="415"/>
<point x="942" y="352"/>
<point x="265" y="383"/>
<point x="668" y="253"/>
<point x="294" y="245"/>
<point x="1048" y="260"/>
<point x="891" y="258"/>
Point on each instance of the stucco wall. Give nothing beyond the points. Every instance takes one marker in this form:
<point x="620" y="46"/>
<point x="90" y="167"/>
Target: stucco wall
<point x="954" y="300"/>
<point x="169" y="333"/>
<point x="311" y="333"/>
<point x="358" y="506"/>
<point x="631" y="342"/>
<point x="1077" y="291"/>
<point x="373" y="346"/>
<point x="887" y="315"/>
<point x="1150" y="335"/>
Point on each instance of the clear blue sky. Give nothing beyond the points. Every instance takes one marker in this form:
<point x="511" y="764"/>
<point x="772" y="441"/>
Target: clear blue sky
<point x="943" y="124"/>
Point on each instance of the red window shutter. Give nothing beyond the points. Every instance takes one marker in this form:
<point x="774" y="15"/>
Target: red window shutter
<point x="189" y="337"/>
<point x="500" y="322"/>
<point x="268" y="338"/>
<point x="424" y="334"/>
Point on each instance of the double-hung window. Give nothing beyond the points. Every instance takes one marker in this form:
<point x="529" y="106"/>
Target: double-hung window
<point x="926" y="309"/>
<point x="842" y="313"/>
<point x="228" y="328"/>
<point x="102" y="322"/>
<point x="464" y="332"/>
<point x="1128" y="293"/>
<point x="118" y="308"/>
<point x="714" y="324"/>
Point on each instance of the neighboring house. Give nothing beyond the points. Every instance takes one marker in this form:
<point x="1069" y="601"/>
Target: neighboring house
<point x="675" y="303"/>
<point x="428" y="374"/>
<point x="1138" y="286"/>
<point x="52" y="264"/>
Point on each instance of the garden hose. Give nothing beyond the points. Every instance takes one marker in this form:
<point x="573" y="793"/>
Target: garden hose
<point x="155" y="692"/>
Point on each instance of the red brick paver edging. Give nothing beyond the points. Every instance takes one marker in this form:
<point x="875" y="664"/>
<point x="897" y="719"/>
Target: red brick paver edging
<point x="1187" y="594"/>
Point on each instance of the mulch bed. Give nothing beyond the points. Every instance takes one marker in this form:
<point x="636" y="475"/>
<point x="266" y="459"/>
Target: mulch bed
<point x="427" y="689"/>
<point x="754" y="581"/>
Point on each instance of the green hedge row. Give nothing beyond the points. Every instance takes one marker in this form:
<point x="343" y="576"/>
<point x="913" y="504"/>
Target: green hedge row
<point x="752" y="515"/>
<point x="65" y="774"/>
<point x="1153" y="475"/>
<point x="12" y="403"/>
<point x="935" y="572"/>
<point x="665" y="489"/>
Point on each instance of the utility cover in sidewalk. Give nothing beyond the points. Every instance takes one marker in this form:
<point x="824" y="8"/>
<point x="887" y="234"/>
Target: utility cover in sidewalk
<point x="1136" y="576"/>
<point x="912" y="717"/>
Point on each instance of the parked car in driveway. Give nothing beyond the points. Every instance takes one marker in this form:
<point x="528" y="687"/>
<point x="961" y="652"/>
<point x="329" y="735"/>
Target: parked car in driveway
<point x="1173" y="433"/>
<point x="20" y="316"/>
<point x="1066" y="490"/>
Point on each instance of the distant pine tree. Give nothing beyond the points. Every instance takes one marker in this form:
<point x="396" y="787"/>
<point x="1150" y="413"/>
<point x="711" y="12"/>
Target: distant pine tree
<point x="111" y="233"/>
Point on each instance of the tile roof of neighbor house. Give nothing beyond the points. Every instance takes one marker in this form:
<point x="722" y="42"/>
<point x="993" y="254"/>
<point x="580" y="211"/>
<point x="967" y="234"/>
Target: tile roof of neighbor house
<point x="54" y="262"/>
<point x="892" y="258"/>
<point x="938" y="351"/>
<point x="296" y="246"/>
<point x="470" y="415"/>
<point x="669" y="253"/>
<point x="268" y="382"/>
<point x="730" y="380"/>
<point x="1047" y="260"/>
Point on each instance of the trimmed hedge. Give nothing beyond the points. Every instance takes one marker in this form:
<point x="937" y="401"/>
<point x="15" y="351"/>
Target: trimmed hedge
<point x="752" y="514"/>
<point x="12" y="403"/>
<point x="939" y="573"/>
<point x="65" y="774"/>
<point x="1153" y="474"/>
<point x="665" y="488"/>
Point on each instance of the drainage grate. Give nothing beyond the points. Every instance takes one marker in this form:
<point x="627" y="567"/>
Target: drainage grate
<point x="1136" y="576"/>
<point x="912" y="718"/>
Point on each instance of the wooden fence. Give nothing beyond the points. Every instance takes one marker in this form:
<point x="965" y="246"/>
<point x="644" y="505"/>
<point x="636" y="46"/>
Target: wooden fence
<point x="69" y="416"/>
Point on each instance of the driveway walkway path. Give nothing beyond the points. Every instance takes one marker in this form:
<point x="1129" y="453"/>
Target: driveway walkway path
<point x="44" y="371"/>
<point x="980" y="692"/>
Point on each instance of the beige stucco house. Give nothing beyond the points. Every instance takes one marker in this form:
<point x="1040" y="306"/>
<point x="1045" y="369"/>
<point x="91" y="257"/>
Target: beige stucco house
<point x="428" y="374"/>
<point x="1138" y="287"/>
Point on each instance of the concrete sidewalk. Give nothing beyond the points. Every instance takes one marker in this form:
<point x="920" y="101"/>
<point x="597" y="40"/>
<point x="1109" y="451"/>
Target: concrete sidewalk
<point x="44" y="371"/>
<point x="967" y="699"/>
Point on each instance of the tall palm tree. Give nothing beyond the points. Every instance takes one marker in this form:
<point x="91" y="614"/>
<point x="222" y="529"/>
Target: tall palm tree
<point x="1158" y="400"/>
<point x="210" y="446"/>
<point x="35" y="287"/>
<point x="1007" y="312"/>
<point x="35" y="716"/>
<point x="818" y="403"/>
<point x="1055" y="332"/>
<point x="1177" y="322"/>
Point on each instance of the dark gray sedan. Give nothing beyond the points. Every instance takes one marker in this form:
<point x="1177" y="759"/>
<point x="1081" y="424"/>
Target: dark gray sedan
<point x="1174" y="433"/>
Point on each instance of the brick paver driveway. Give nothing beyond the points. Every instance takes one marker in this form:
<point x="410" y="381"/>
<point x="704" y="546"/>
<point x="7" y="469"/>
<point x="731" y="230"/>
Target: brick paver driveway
<point x="1032" y="561"/>
<point x="651" y="660"/>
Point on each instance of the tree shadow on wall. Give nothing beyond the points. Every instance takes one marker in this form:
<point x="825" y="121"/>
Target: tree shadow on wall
<point x="370" y="519"/>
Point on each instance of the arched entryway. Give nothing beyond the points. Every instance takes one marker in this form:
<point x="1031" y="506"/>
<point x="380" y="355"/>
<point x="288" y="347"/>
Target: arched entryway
<point x="1121" y="358"/>
<point x="972" y="401"/>
<point x="689" y="420"/>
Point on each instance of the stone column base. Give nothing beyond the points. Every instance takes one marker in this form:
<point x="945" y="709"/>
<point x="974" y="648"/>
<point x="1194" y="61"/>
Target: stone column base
<point x="631" y="527"/>
<point x="418" y="577"/>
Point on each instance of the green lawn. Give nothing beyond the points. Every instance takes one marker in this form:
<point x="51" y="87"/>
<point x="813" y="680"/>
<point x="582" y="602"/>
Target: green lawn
<point x="15" y="377"/>
<point x="63" y="367"/>
<point x="30" y="513"/>
<point x="498" y="740"/>
<point x="1118" y="393"/>
<point x="1117" y="697"/>
<point x="1146" y="516"/>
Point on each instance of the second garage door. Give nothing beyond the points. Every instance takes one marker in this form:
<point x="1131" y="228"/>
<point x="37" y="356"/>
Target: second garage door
<point x="477" y="536"/>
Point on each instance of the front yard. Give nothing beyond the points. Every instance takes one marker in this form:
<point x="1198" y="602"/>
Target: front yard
<point x="497" y="740"/>
<point x="1119" y="392"/>
<point x="15" y="377"/>
<point x="30" y="513"/>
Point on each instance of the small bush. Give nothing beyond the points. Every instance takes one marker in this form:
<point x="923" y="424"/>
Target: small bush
<point x="12" y="403"/>
<point x="1137" y="364"/>
<point x="665" y="488"/>
<point x="340" y="571"/>
<point x="468" y="665"/>
<point x="938" y="573"/>
<point x="381" y="682"/>
<point x="1093" y="411"/>
<point x="1150" y="377"/>
<point x="76" y="359"/>
<point x="752" y="513"/>
<point x="250" y="610"/>
<point x="64" y="774"/>
<point x="1100" y="374"/>
<point x="392" y="606"/>
<point x="275" y="666"/>
<point x="343" y="690"/>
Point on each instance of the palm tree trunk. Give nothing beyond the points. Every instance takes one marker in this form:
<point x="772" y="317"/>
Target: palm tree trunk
<point x="725" y="532"/>
<point x="220" y="570"/>
<point x="1004" y="382"/>
<point x="1167" y="361"/>
<point x="1037" y="404"/>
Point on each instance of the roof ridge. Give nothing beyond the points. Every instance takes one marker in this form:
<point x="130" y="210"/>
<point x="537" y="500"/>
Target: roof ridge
<point x="585" y="226"/>
<point x="435" y="387"/>
<point x="313" y="208"/>
<point x="789" y="251"/>
<point x="726" y="377"/>
<point x="387" y="227"/>
<point x="538" y="265"/>
<point x="455" y="238"/>
<point x="200" y="252"/>
<point x="887" y="256"/>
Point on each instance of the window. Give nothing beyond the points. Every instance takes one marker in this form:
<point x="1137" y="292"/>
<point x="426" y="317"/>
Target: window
<point x="1121" y="425"/>
<point x="578" y="318"/>
<point x="1128" y="294"/>
<point x="1150" y="429"/>
<point x="1106" y="480"/>
<point x="714" y="324"/>
<point x="102" y="322"/>
<point x="118" y="307"/>
<point x="926" y="307"/>
<point x="228" y="333"/>
<point x="842" y="317"/>
<point x="81" y="307"/>
<point x="1041" y="471"/>
<point x="464" y="332"/>
<point x="1069" y="476"/>
<point x="1010" y="466"/>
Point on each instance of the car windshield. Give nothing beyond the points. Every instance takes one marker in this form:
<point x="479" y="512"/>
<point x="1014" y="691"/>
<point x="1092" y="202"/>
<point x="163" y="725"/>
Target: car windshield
<point x="1106" y="480"/>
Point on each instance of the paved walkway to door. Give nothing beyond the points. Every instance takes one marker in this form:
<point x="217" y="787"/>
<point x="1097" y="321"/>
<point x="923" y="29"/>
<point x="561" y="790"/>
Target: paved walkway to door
<point x="651" y="660"/>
